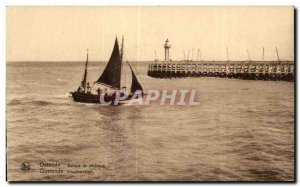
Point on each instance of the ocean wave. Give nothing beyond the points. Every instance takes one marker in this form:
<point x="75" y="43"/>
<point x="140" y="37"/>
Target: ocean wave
<point x="40" y="103"/>
<point x="15" y="102"/>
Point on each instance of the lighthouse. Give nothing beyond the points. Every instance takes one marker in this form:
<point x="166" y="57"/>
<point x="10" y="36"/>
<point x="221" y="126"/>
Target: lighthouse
<point x="167" y="54"/>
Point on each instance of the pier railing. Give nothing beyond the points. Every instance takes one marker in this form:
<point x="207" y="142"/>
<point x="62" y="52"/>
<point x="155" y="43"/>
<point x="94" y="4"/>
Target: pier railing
<point x="249" y="70"/>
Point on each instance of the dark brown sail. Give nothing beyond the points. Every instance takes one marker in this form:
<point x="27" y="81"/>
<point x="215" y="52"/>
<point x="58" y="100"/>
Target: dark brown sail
<point x="111" y="75"/>
<point x="135" y="85"/>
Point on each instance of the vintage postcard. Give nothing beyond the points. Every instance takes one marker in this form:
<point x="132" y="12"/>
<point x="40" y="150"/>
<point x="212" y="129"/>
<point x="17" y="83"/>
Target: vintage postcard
<point x="203" y="94"/>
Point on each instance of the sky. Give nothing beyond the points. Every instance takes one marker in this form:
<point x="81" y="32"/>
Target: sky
<point x="65" y="33"/>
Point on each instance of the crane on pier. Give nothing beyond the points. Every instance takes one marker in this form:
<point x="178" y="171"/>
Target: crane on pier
<point x="200" y="55"/>
<point x="227" y="56"/>
<point x="277" y="55"/>
<point x="156" y="60"/>
<point x="248" y="55"/>
<point x="192" y="54"/>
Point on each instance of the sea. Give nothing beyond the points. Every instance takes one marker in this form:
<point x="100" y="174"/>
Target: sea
<point x="242" y="130"/>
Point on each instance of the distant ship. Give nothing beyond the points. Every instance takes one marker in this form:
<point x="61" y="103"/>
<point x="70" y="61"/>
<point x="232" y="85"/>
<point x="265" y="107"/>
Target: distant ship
<point x="110" y="79"/>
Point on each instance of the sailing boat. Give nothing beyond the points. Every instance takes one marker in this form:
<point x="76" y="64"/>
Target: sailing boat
<point x="110" y="79"/>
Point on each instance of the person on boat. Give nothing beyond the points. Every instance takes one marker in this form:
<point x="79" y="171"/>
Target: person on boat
<point x="80" y="89"/>
<point x="123" y="91"/>
<point x="88" y="88"/>
<point x="99" y="91"/>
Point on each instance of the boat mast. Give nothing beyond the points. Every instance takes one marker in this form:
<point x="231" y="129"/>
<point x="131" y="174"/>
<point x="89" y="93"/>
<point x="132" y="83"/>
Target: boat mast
<point x="83" y="83"/>
<point x="122" y="52"/>
<point x="122" y="46"/>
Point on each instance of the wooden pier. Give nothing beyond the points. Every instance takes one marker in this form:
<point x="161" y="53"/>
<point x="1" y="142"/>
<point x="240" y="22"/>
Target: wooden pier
<point x="247" y="70"/>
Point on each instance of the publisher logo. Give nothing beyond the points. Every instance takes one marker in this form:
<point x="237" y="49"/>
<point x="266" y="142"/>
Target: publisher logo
<point x="25" y="166"/>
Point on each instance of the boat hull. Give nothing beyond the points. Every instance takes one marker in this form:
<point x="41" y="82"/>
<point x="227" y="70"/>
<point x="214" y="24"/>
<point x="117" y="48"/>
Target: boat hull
<point x="93" y="98"/>
<point x="85" y="97"/>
